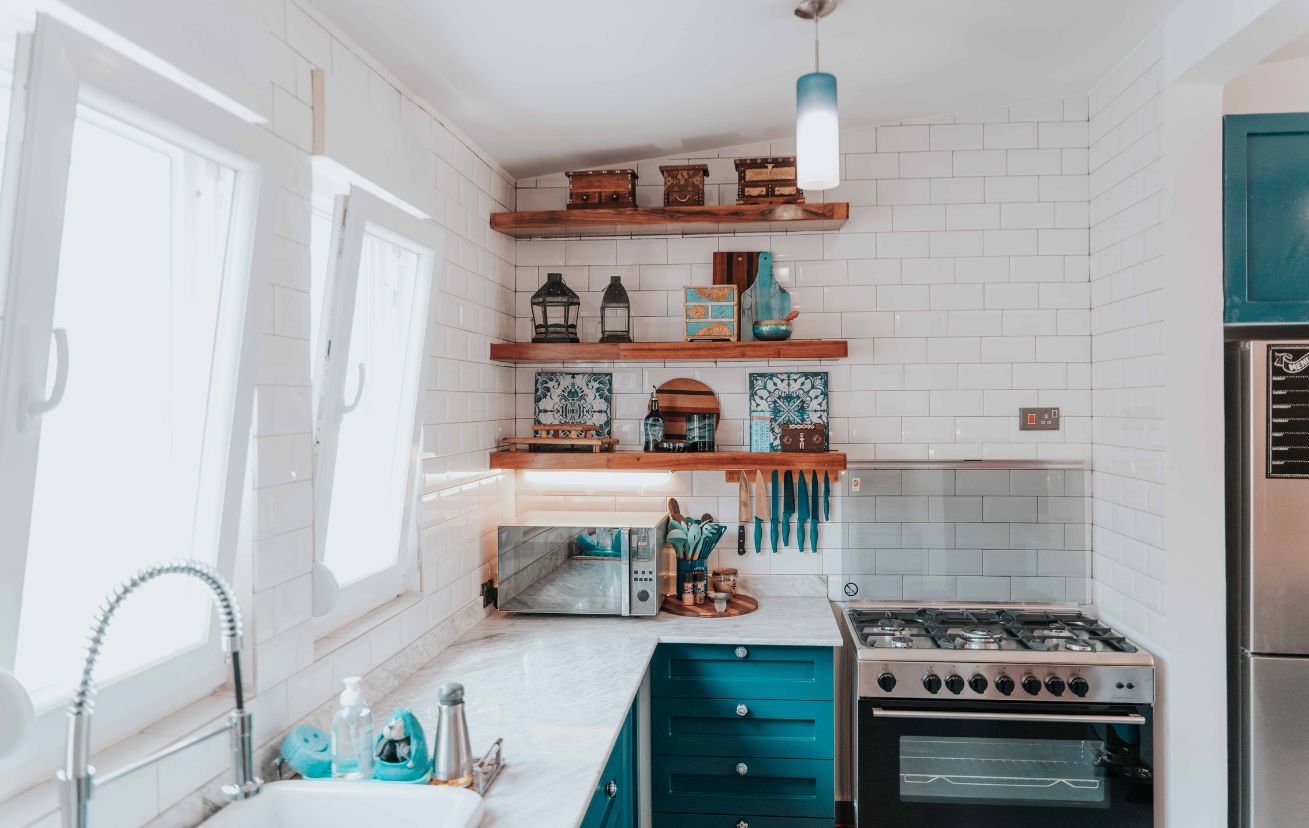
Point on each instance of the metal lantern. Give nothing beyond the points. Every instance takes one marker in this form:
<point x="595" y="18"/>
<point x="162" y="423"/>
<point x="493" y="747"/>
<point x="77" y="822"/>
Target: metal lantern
<point x="615" y="313"/>
<point x="555" y="308"/>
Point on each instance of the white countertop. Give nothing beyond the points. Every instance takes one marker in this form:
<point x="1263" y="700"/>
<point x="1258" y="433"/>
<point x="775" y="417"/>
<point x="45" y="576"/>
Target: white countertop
<point x="558" y="689"/>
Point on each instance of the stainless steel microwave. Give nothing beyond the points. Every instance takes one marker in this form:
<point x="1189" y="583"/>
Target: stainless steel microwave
<point x="583" y="563"/>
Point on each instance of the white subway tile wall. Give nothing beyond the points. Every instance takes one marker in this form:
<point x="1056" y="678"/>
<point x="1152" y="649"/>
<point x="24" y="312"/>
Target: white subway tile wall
<point x="961" y="282"/>
<point x="1127" y="315"/>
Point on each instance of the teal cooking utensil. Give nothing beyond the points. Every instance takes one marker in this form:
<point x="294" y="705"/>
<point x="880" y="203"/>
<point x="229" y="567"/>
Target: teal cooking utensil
<point x="772" y="531"/>
<point x="803" y="504"/>
<point x="788" y="506"/>
<point x="813" y="512"/>
<point x="827" y="495"/>
<point x="760" y="493"/>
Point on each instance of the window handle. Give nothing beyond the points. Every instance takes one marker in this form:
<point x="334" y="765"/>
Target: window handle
<point x="36" y="408"/>
<point x="359" y="393"/>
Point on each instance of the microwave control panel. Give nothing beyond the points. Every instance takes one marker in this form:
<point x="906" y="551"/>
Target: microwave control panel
<point x="646" y="593"/>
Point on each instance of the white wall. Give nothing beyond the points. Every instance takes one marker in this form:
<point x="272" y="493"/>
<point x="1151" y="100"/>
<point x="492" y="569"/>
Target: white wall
<point x="468" y="406"/>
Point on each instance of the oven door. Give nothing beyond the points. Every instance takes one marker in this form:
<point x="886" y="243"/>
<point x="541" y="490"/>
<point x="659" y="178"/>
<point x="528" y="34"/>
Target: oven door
<point x="1011" y="764"/>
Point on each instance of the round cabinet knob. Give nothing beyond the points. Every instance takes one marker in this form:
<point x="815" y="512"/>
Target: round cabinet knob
<point x="741" y="769"/>
<point x="742" y="652"/>
<point x="611" y="789"/>
<point x="742" y="710"/>
<point x="1032" y="685"/>
<point x="955" y="684"/>
<point x="886" y="681"/>
<point x="643" y="596"/>
<point x="740" y="823"/>
<point x="1004" y="684"/>
<point x="1055" y="685"/>
<point x="1079" y="686"/>
<point x="977" y="683"/>
<point x="932" y="683"/>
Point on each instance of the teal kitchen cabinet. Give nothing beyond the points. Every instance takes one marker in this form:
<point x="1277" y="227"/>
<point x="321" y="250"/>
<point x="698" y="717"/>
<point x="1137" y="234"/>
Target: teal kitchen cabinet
<point x="613" y="805"/>
<point x="1266" y="218"/>
<point x="742" y="737"/>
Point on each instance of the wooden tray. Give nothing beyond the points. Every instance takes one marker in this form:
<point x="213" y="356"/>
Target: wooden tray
<point x="738" y="604"/>
<point x="594" y="444"/>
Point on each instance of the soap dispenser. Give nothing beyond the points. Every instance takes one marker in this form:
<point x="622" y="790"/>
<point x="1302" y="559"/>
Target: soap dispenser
<point x="352" y="735"/>
<point x="452" y="754"/>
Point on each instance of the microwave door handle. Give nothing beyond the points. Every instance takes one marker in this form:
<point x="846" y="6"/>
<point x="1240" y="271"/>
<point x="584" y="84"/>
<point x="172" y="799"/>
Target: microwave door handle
<point x="963" y="715"/>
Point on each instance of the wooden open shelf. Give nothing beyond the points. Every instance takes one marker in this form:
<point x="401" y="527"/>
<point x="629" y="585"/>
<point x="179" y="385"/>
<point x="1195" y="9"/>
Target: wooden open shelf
<point x="647" y="221"/>
<point x="668" y="461"/>
<point x="668" y="351"/>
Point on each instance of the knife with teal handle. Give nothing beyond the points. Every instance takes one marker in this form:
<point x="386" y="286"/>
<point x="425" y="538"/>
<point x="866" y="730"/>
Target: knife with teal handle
<point x="772" y="526"/>
<point x="813" y="525"/>
<point x="788" y="506"/>
<point x="759" y="511"/>
<point x="827" y="495"/>
<point x="802" y="502"/>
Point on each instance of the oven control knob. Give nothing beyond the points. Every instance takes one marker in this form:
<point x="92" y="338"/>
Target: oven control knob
<point x="954" y="684"/>
<point x="886" y="681"/>
<point x="1004" y="684"/>
<point x="1055" y="685"/>
<point x="1032" y="685"/>
<point x="1079" y="686"/>
<point x="932" y="683"/>
<point x="978" y="683"/>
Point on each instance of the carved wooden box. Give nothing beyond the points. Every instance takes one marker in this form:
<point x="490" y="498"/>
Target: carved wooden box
<point x="767" y="181"/>
<point x="684" y="184"/>
<point x="601" y="188"/>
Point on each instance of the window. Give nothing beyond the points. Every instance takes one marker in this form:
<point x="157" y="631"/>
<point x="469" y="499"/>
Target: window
<point x="372" y="330"/>
<point x="126" y="379"/>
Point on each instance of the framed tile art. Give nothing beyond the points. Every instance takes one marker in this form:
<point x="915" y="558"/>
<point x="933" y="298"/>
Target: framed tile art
<point x="573" y="398"/>
<point x="785" y="398"/>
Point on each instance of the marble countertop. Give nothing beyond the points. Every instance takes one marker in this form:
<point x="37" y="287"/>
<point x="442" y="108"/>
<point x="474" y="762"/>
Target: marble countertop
<point x="558" y="689"/>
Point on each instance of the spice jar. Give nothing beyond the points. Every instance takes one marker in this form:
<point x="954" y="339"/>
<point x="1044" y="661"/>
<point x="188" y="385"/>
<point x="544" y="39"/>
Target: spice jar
<point x="723" y="580"/>
<point x="688" y="592"/>
<point x="699" y="584"/>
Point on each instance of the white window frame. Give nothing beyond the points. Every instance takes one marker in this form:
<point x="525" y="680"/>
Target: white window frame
<point x="58" y="70"/>
<point x="356" y="214"/>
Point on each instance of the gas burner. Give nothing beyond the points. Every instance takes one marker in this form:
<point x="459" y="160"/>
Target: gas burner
<point x="901" y="642"/>
<point x="979" y="638"/>
<point x="889" y="625"/>
<point x="1076" y="645"/>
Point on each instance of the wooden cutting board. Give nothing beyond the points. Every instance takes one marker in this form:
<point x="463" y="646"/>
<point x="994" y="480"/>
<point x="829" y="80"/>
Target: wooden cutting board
<point x="679" y="397"/>
<point x="738" y="604"/>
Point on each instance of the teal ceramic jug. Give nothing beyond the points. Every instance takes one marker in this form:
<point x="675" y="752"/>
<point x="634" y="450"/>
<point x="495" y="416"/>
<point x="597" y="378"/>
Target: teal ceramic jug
<point x="771" y="300"/>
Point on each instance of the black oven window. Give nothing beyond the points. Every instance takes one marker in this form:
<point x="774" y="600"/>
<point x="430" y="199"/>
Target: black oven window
<point x="965" y="770"/>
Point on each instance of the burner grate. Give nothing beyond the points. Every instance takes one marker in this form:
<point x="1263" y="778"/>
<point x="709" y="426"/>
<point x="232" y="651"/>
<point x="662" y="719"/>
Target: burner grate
<point x="959" y="629"/>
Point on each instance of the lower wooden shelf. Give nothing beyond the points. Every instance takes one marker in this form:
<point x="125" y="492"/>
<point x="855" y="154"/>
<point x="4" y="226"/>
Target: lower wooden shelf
<point x="668" y="461"/>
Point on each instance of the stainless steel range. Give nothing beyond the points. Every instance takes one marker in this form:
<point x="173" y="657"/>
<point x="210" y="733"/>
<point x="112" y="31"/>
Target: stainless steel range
<point x="968" y="712"/>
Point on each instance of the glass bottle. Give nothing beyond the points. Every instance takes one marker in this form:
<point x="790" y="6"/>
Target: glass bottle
<point x="652" y="427"/>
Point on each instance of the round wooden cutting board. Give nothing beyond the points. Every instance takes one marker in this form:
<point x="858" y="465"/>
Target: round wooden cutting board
<point x="738" y="604"/>
<point x="680" y="397"/>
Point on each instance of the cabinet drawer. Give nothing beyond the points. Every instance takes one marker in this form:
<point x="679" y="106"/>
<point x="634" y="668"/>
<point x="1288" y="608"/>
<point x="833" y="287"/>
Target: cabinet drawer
<point x="743" y="786"/>
<point x="725" y="671"/>
<point x="742" y="727"/>
<point x="737" y="821"/>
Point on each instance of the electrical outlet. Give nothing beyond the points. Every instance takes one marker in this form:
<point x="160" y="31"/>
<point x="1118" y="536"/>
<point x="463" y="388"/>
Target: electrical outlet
<point x="1038" y="419"/>
<point x="854" y="484"/>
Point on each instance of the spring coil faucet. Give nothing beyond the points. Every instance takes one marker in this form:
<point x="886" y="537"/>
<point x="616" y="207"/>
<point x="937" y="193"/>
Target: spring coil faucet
<point x="77" y="780"/>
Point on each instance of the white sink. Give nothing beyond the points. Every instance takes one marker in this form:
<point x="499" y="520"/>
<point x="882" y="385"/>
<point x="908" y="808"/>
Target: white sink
<point x="328" y="804"/>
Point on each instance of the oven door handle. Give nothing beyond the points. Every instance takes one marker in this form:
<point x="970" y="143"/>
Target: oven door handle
<point x="1126" y="719"/>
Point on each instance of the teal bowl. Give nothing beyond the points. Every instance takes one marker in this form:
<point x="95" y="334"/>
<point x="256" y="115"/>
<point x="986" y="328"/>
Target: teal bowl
<point x="772" y="330"/>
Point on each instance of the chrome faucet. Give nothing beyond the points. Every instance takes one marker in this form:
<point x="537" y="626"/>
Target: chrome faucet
<point x="77" y="780"/>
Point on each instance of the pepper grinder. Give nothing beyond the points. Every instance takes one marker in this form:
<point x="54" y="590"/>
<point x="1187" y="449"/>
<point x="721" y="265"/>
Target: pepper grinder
<point x="452" y="756"/>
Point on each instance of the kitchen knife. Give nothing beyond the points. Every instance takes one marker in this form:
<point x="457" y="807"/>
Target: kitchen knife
<point x="772" y="530"/>
<point x="743" y="510"/>
<point x="760" y="491"/>
<point x="803" y="505"/>
<point x="788" y="506"/>
<point x="813" y="513"/>
<point x="827" y="495"/>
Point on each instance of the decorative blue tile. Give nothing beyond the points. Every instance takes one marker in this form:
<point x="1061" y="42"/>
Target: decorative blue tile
<point x="785" y="398"/>
<point x="571" y="399"/>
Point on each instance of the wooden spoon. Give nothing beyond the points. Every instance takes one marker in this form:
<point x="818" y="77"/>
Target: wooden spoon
<point x="675" y="511"/>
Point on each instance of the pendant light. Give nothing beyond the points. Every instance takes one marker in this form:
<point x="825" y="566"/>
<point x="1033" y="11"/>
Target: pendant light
<point x="817" y="128"/>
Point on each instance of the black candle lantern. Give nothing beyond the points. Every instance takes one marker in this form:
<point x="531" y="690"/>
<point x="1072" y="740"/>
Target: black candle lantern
<point x="555" y="308"/>
<point x="615" y="313"/>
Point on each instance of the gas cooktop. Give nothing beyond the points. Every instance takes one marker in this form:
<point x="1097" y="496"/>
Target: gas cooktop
<point x="997" y="653"/>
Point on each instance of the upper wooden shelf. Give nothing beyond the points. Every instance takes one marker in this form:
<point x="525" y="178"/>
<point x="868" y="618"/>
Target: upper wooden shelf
<point x="668" y="461"/>
<point x="656" y="221"/>
<point x="668" y="351"/>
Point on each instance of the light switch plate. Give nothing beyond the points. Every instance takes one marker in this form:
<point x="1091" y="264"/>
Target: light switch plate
<point x="1038" y="419"/>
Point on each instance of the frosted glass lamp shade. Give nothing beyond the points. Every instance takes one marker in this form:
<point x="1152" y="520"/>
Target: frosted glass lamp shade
<point x="817" y="132"/>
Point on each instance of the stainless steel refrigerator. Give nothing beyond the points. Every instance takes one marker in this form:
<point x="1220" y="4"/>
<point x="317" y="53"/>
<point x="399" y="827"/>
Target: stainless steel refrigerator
<point x="1268" y="581"/>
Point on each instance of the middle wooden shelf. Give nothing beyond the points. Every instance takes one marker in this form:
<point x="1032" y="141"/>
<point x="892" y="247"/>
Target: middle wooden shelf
<point x="668" y="351"/>
<point x="668" y="461"/>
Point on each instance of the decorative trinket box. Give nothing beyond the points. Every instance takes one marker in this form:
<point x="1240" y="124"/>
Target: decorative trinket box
<point x="684" y="184"/>
<point x="601" y="188"/>
<point x="806" y="438"/>
<point x="710" y="313"/>
<point x="767" y="181"/>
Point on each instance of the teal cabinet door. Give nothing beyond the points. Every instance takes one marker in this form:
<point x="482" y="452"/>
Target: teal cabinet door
<point x="1266" y="218"/>
<point x="724" y="671"/>
<point x="738" y="821"/>
<point x="744" y="786"/>
<point x="613" y="805"/>
<point x="782" y="729"/>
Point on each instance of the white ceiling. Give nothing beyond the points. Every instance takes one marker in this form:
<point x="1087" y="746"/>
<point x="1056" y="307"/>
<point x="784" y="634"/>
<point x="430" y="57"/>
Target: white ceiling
<point x="547" y="86"/>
